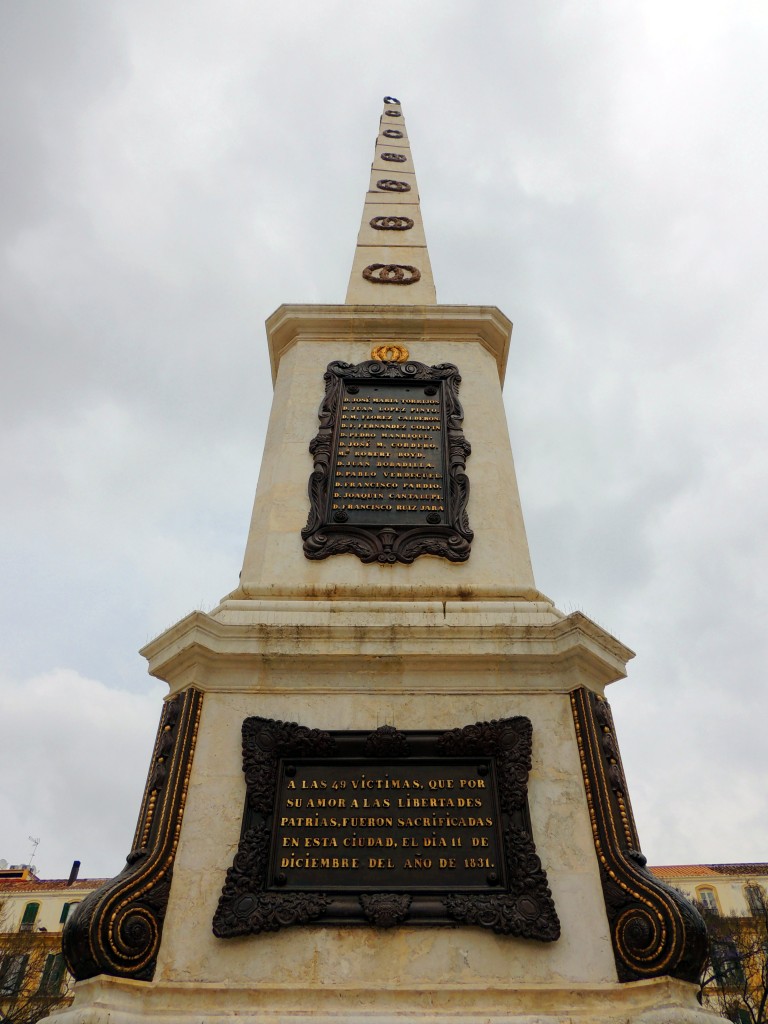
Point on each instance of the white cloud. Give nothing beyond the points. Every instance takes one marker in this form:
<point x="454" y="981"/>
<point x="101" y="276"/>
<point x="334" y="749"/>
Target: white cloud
<point x="73" y="763"/>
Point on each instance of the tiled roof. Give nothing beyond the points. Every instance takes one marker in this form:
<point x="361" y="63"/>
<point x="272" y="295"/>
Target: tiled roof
<point x="740" y="869"/>
<point x="682" y="870"/>
<point x="43" y="885"/>
<point x="707" y="870"/>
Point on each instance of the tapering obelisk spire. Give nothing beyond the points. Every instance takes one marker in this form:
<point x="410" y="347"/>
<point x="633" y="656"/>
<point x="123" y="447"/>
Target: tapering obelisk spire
<point x="391" y="264"/>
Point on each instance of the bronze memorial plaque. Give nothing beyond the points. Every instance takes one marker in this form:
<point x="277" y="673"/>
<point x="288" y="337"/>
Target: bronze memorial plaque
<point x="383" y="825"/>
<point x="389" y="481"/>
<point x="387" y="827"/>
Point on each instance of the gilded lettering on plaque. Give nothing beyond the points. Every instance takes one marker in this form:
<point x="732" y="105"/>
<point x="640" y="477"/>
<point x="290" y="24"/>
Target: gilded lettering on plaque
<point x="387" y="827"/>
<point x="389" y="480"/>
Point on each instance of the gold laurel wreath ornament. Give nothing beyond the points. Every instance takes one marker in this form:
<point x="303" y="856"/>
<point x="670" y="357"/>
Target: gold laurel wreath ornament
<point x="389" y="353"/>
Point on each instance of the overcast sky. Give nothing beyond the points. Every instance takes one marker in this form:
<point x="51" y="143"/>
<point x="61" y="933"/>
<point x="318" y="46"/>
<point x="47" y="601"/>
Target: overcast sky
<point x="173" y="172"/>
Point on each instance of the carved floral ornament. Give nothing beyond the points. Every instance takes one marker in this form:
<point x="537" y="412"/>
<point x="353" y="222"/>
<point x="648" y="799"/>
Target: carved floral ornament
<point x="391" y="273"/>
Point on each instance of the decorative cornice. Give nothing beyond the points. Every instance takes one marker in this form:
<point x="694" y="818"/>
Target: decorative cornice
<point x="655" y="931"/>
<point x="407" y="324"/>
<point x="395" y="998"/>
<point x="117" y="929"/>
<point x="574" y="646"/>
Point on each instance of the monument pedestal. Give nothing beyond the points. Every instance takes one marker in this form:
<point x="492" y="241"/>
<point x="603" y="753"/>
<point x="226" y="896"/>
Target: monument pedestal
<point x="399" y="623"/>
<point x="660" y="1001"/>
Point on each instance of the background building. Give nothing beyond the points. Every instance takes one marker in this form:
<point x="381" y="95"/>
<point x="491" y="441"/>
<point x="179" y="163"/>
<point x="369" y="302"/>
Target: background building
<point x="33" y="975"/>
<point x="734" y="901"/>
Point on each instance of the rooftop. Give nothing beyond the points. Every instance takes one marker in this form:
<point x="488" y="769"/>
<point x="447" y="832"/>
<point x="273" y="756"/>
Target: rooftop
<point x="691" y="870"/>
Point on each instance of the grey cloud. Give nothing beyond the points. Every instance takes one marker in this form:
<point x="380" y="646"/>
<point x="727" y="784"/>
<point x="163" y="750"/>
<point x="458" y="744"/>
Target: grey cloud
<point x="178" y="171"/>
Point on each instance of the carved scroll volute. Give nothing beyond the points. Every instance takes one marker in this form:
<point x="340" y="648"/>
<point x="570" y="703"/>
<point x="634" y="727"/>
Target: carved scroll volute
<point x="117" y="929"/>
<point x="655" y="931"/>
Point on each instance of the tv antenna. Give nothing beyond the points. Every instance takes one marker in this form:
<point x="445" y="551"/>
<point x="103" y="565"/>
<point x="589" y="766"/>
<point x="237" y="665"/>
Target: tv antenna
<point x="35" y="844"/>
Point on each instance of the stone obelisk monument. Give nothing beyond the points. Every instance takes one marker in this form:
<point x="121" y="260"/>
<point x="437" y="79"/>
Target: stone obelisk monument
<point x="386" y="785"/>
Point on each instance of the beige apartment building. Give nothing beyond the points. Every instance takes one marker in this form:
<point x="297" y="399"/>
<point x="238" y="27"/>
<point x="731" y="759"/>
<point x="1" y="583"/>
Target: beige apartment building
<point x="734" y="901"/>
<point x="33" y="975"/>
<point x="725" y="889"/>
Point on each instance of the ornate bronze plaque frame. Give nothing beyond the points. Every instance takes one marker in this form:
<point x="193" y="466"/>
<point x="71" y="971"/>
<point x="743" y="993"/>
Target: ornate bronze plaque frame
<point x="396" y="537"/>
<point x="520" y="904"/>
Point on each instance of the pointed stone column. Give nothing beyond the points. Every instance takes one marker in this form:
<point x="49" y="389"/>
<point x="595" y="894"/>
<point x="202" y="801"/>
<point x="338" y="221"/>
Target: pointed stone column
<point x="391" y="264"/>
<point x="326" y="654"/>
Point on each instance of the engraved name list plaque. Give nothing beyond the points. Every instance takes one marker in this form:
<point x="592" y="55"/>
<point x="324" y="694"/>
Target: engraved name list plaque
<point x="389" y="482"/>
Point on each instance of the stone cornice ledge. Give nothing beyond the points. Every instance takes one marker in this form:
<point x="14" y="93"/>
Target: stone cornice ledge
<point x="584" y="654"/>
<point x="485" y="324"/>
<point x="658" y="1001"/>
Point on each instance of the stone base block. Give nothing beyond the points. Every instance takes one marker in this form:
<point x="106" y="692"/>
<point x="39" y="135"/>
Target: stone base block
<point x="108" y="1001"/>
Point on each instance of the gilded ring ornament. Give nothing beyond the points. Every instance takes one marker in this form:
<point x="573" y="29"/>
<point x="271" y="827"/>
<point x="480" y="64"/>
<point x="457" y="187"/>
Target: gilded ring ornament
<point x="394" y="158"/>
<point x="392" y="133"/>
<point x="391" y="223"/>
<point x="389" y="353"/>
<point x="391" y="273"/>
<point x="388" y="185"/>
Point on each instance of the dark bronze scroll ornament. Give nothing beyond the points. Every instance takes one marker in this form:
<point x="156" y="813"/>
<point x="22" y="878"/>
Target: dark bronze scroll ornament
<point x="395" y="158"/>
<point x="389" y="544"/>
<point x="516" y="901"/>
<point x="117" y="929"/>
<point x="393" y="113"/>
<point x="655" y="931"/>
<point x="392" y="133"/>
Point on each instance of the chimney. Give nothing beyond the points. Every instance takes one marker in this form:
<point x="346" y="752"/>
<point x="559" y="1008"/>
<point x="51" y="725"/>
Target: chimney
<point x="74" y="872"/>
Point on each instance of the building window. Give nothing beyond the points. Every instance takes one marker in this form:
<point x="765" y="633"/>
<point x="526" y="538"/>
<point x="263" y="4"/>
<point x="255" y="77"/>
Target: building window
<point x="53" y="972"/>
<point x="726" y="964"/>
<point x="65" y="910"/>
<point x="30" y="916"/>
<point x="755" y="895"/>
<point x="740" y="1017"/>
<point x="12" y="969"/>
<point x="708" y="899"/>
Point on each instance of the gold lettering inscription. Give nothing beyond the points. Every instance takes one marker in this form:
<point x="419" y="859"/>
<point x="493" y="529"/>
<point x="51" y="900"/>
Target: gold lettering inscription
<point x="361" y="822"/>
<point x="388" y="444"/>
